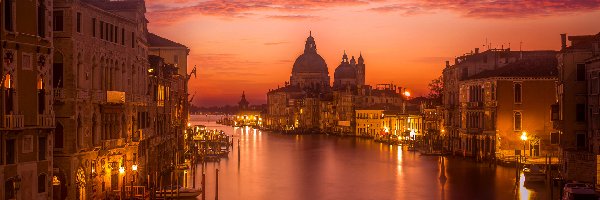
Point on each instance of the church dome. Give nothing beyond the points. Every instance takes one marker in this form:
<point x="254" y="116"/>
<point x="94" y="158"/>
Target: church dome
<point x="310" y="61"/>
<point x="345" y="70"/>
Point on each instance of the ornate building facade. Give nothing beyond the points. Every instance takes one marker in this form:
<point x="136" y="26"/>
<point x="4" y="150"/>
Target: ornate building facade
<point x="27" y="115"/>
<point x="308" y="103"/>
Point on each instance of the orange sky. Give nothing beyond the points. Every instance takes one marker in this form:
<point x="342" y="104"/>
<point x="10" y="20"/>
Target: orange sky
<point x="251" y="45"/>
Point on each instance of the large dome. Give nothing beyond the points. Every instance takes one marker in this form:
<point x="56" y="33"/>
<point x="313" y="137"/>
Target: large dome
<point x="310" y="62"/>
<point x="345" y="71"/>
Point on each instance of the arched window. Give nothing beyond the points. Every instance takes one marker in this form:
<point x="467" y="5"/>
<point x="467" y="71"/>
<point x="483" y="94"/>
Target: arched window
<point x="41" y="96"/>
<point x="518" y="93"/>
<point x="57" y="79"/>
<point x="9" y="93"/>
<point x="518" y="121"/>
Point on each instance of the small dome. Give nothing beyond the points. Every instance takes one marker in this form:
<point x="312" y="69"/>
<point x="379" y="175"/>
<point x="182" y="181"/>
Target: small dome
<point x="345" y="71"/>
<point x="310" y="62"/>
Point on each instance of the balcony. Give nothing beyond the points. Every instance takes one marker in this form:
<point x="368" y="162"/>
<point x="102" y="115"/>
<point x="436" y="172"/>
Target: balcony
<point x="98" y="96"/>
<point x="59" y="94"/>
<point x="46" y="121"/>
<point x="14" y="121"/>
<point x="116" y="97"/>
<point x="112" y="144"/>
<point x="83" y="94"/>
<point x="491" y="104"/>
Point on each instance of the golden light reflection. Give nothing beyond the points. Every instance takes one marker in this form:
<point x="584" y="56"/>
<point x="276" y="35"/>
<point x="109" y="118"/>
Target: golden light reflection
<point x="399" y="162"/>
<point x="524" y="193"/>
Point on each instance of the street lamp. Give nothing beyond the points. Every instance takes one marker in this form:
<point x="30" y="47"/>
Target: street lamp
<point x="524" y="138"/>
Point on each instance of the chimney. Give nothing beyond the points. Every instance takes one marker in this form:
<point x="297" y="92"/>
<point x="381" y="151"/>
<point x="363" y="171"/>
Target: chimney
<point x="563" y="41"/>
<point x="476" y="50"/>
<point x="447" y="63"/>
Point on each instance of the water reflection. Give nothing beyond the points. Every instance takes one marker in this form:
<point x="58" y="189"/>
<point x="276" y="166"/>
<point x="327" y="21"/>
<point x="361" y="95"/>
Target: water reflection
<point x="274" y="166"/>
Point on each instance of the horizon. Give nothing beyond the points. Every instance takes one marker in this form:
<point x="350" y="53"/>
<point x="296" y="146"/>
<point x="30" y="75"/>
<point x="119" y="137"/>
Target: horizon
<point x="406" y="43"/>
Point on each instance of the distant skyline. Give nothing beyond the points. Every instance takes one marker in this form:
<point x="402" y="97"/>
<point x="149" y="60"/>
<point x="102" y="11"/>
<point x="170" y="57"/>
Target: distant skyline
<point x="251" y="45"/>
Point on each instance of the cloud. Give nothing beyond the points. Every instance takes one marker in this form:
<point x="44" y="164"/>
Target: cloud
<point x="493" y="8"/>
<point x="293" y="17"/>
<point x="167" y="11"/>
<point x="274" y="43"/>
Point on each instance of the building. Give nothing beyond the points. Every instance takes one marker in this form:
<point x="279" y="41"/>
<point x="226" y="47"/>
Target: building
<point x="575" y="109"/>
<point x="27" y="123"/>
<point x="102" y="113"/>
<point x="309" y="103"/>
<point x="593" y="101"/>
<point x="498" y="106"/>
<point x="464" y="67"/>
<point x="247" y="115"/>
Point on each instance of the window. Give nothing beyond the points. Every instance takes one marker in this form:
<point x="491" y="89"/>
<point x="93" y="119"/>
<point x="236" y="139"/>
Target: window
<point x="8" y="15"/>
<point x="116" y="34"/>
<point x="11" y="156"/>
<point x="110" y="33"/>
<point x="123" y="36"/>
<point x="518" y="120"/>
<point x="41" y="97"/>
<point x="580" y="112"/>
<point x="580" y="139"/>
<point x="554" y="138"/>
<point x="176" y="60"/>
<point x="42" y="148"/>
<point x="79" y="22"/>
<point x="41" y="23"/>
<point x="518" y="92"/>
<point x="580" y="72"/>
<point x="58" y="20"/>
<point x="58" y="136"/>
<point x="42" y="183"/>
<point x="101" y="30"/>
<point x="132" y="40"/>
<point x="465" y="73"/>
<point x="93" y="27"/>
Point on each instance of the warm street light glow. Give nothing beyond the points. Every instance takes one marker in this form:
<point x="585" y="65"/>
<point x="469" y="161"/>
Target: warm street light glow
<point x="121" y="170"/>
<point x="189" y="124"/>
<point x="407" y="93"/>
<point x="524" y="136"/>
<point x="134" y="167"/>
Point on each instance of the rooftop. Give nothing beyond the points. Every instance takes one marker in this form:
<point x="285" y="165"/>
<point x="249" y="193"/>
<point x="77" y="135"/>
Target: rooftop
<point x="157" y="41"/>
<point x="535" y="67"/>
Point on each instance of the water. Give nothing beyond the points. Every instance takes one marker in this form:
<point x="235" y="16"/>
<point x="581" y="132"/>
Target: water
<point x="275" y="166"/>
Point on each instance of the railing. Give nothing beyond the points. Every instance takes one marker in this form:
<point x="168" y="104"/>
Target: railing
<point x="138" y="191"/>
<point x="112" y="144"/>
<point x="45" y="121"/>
<point x="14" y="121"/>
<point x="59" y="94"/>
<point x="491" y="103"/>
<point x="99" y="96"/>
<point x="83" y="94"/>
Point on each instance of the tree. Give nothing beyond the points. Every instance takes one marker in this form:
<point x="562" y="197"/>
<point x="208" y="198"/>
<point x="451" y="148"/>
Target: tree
<point x="436" y="89"/>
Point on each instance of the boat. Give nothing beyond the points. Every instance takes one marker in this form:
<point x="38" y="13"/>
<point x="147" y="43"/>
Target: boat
<point x="184" y="193"/>
<point x="579" y="191"/>
<point x="533" y="173"/>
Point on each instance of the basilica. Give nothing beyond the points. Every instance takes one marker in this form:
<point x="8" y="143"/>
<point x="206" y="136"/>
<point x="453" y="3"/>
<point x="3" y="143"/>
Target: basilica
<point x="310" y="103"/>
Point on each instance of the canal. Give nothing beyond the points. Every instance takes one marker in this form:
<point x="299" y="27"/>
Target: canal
<point x="275" y="166"/>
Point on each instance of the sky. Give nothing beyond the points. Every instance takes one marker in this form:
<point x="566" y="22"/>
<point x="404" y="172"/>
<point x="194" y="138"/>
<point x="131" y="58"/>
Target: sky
<point x="251" y="45"/>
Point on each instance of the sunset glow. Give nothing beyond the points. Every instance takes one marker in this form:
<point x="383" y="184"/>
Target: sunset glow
<point x="251" y="46"/>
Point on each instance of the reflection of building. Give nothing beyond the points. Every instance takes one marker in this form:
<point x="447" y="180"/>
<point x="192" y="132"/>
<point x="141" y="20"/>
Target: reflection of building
<point x="309" y="103"/>
<point x="465" y="116"/>
<point x="246" y="115"/>
<point x="576" y="114"/>
<point x="100" y="64"/>
<point x="27" y="116"/>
